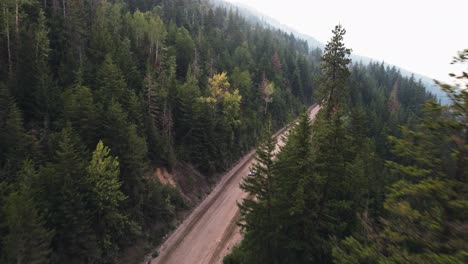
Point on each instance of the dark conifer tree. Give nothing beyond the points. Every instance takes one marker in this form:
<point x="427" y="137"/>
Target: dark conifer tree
<point x="332" y="92"/>
<point x="63" y="196"/>
<point x="256" y="211"/>
<point x="28" y="241"/>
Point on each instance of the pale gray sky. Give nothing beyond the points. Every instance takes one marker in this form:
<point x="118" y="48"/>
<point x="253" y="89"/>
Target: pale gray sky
<point x="419" y="35"/>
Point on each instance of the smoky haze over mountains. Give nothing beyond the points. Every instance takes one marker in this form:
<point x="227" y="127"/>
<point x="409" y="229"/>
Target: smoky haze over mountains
<point x="421" y="40"/>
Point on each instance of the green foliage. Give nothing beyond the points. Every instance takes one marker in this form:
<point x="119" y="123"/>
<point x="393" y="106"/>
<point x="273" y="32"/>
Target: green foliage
<point x="309" y="194"/>
<point x="187" y="95"/>
<point x="111" y="83"/>
<point x="231" y="108"/>
<point x="237" y="256"/>
<point x="62" y="192"/>
<point x="352" y="251"/>
<point x="332" y="90"/>
<point x="293" y="174"/>
<point x="122" y="137"/>
<point x="11" y="130"/>
<point x="81" y="111"/>
<point x="106" y="200"/>
<point x="267" y="89"/>
<point x="425" y="208"/>
<point x="28" y="241"/>
<point x="257" y="210"/>
<point x="184" y="48"/>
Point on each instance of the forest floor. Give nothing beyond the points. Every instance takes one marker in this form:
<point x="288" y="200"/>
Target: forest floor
<point x="210" y="231"/>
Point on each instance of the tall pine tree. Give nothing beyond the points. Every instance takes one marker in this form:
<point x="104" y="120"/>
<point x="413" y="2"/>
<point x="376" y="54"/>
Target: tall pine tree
<point x="256" y="211"/>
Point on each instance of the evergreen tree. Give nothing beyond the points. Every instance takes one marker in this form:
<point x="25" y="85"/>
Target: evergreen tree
<point x="204" y="147"/>
<point x="122" y="137"/>
<point x="111" y="82"/>
<point x="185" y="107"/>
<point x="109" y="221"/>
<point x="185" y="49"/>
<point x="81" y="111"/>
<point x="27" y="241"/>
<point x="256" y="211"/>
<point x="332" y="91"/>
<point x="295" y="199"/>
<point x="64" y="197"/>
<point x="338" y="163"/>
<point x="13" y="140"/>
<point x="46" y="99"/>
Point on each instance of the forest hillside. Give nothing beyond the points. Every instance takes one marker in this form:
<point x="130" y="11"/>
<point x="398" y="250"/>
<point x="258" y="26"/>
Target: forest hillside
<point x="95" y="96"/>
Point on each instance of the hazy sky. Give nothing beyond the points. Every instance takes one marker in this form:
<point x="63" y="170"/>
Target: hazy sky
<point x="419" y="35"/>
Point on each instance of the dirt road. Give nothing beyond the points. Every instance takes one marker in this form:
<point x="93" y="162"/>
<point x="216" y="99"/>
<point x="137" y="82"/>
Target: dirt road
<point x="209" y="233"/>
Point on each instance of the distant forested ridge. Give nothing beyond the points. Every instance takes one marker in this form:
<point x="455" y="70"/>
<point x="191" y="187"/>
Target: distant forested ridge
<point x="257" y="17"/>
<point x="95" y="94"/>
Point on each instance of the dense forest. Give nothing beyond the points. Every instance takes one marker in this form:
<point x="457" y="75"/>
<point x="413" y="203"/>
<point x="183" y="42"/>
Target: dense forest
<point x="94" y="95"/>
<point x="368" y="181"/>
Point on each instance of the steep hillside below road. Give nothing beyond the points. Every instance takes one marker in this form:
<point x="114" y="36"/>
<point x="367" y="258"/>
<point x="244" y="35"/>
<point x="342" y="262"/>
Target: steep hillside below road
<point x="206" y="234"/>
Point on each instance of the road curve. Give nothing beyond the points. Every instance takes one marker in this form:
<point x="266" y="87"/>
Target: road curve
<point x="210" y="231"/>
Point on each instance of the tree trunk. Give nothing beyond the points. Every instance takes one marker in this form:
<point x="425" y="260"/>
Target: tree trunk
<point x="156" y="53"/>
<point x="331" y="94"/>
<point x="64" y="7"/>
<point x="149" y="94"/>
<point x="211" y="67"/>
<point x="270" y="250"/>
<point x="7" y="31"/>
<point x="17" y="19"/>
